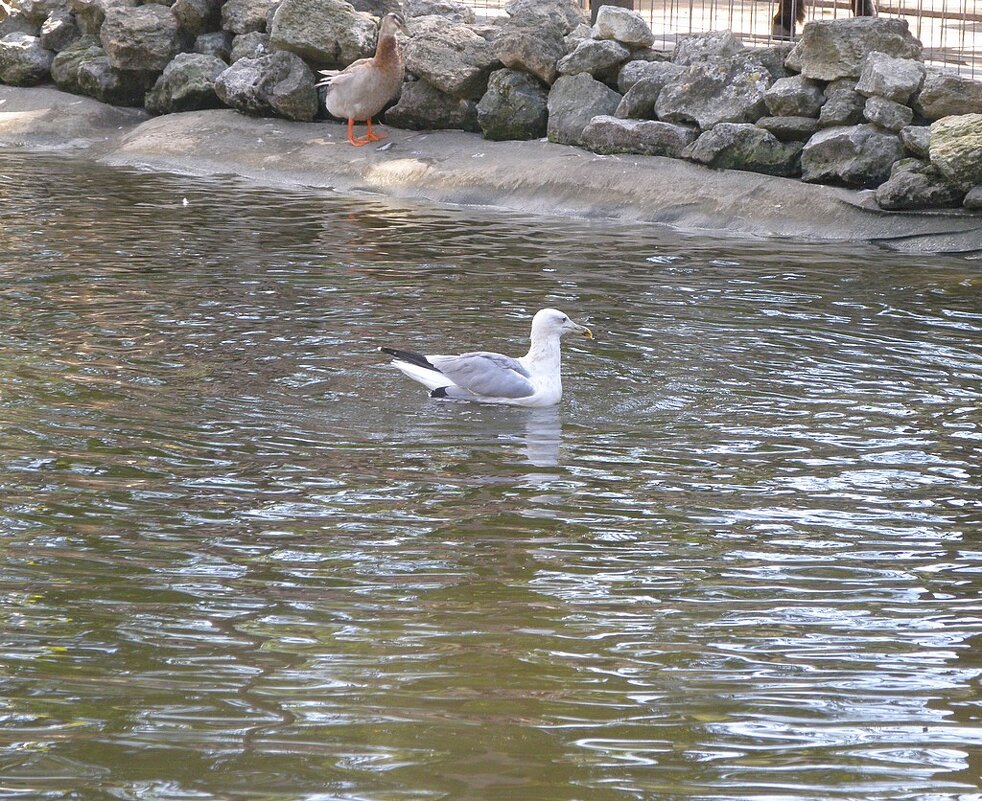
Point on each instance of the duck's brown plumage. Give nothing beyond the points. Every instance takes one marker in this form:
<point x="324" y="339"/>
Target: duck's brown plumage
<point x="364" y="88"/>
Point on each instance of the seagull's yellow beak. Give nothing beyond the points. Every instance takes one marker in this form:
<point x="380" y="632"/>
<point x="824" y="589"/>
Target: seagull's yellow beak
<point x="586" y="333"/>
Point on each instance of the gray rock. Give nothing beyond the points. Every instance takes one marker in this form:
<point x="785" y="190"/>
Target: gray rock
<point x="607" y="135"/>
<point x="451" y="57"/>
<point x="326" y="33"/>
<point x="216" y="43"/>
<point x="422" y="107"/>
<point x="37" y="11"/>
<point x="770" y="58"/>
<point x="704" y="47"/>
<point x="956" y="149"/>
<point x="23" y="62"/>
<point x="840" y="84"/>
<point x="887" y="114"/>
<point x="377" y="8"/>
<point x="564" y="14"/>
<point x="59" y="30"/>
<point x="451" y="9"/>
<point x="18" y="23"/>
<point x="917" y="140"/>
<point x="622" y="25"/>
<point x="99" y="79"/>
<point x="514" y="107"/>
<point x="639" y="101"/>
<point x="945" y="94"/>
<point x="574" y="100"/>
<point x="973" y="200"/>
<point x="601" y="58"/>
<point x="830" y="49"/>
<point x="916" y="184"/>
<point x="895" y="79"/>
<point x="65" y="65"/>
<point x="279" y="84"/>
<point x="794" y="97"/>
<point x="858" y="155"/>
<point x="249" y="45"/>
<point x="534" y="48"/>
<point x="790" y="129"/>
<point x="842" y="107"/>
<point x="741" y="146"/>
<point x="635" y="71"/>
<point x="649" y="54"/>
<point x="90" y="14"/>
<point x="143" y="39"/>
<point x="720" y="91"/>
<point x="577" y="35"/>
<point x="187" y="84"/>
<point x="245" y="16"/>
<point x="198" y="16"/>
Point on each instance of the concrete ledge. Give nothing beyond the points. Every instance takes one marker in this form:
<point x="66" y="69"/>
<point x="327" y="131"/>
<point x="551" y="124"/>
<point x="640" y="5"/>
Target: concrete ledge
<point x="461" y="168"/>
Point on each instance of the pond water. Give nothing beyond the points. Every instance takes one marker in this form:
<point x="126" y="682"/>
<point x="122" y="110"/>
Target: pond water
<point x="243" y="558"/>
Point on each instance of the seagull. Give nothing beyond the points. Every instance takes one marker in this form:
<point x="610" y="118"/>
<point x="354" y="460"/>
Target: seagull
<point x="531" y="380"/>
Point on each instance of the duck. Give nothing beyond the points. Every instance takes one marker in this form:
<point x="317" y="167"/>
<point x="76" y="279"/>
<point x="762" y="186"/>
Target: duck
<point x="532" y="380"/>
<point x="361" y="90"/>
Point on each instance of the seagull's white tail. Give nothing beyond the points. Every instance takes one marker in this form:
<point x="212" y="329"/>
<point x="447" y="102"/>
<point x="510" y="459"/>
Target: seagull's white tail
<point x="428" y="378"/>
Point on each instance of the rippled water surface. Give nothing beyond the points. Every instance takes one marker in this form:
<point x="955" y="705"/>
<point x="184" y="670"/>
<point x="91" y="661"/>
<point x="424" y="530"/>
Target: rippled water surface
<point x="244" y="559"/>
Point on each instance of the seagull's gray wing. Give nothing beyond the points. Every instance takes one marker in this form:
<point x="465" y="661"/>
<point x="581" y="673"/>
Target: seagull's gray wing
<point x="487" y="375"/>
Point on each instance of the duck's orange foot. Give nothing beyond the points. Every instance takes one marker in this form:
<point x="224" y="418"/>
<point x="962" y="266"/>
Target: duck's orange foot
<point x="360" y="142"/>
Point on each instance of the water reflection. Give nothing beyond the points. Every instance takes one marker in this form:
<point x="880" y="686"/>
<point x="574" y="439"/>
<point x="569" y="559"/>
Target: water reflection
<point x="243" y="558"/>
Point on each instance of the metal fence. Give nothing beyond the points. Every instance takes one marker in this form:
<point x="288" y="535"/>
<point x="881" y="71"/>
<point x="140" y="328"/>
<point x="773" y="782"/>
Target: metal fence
<point x="950" y="30"/>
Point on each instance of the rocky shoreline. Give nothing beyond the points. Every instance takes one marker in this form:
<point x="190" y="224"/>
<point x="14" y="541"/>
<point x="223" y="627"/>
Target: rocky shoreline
<point x="454" y="167"/>
<point x="850" y="104"/>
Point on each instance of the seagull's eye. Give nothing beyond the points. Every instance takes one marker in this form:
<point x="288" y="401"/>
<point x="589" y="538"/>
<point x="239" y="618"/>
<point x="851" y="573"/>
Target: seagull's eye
<point x="564" y="320"/>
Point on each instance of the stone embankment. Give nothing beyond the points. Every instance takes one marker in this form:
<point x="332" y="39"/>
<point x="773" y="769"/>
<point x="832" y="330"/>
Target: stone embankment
<point x="850" y="104"/>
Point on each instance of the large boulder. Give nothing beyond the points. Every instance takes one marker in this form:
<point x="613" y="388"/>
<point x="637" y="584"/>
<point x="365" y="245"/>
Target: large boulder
<point x="858" y="156"/>
<point x="622" y="25"/>
<point x="246" y="16"/>
<point x="741" y="146"/>
<point x="422" y="107"/>
<point x="794" y="96"/>
<point x="453" y="10"/>
<point x="18" y="23"/>
<point x="721" y="91"/>
<point x="23" y="62"/>
<point x="564" y="14"/>
<point x="451" y="57"/>
<point x="574" y="100"/>
<point x="956" y="149"/>
<point x="187" y="84"/>
<point x="946" y="94"/>
<point x="514" y="107"/>
<point x="700" y="48"/>
<point x="59" y="30"/>
<point x="790" y="129"/>
<point x="639" y="101"/>
<point x="842" y="107"/>
<point x="65" y="65"/>
<point x="142" y="39"/>
<point x="37" y="11"/>
<point x="830" y="49"/>
<point x="532" y="46"/>
<point x="917" y="184"/>
<point x="215" y="43"/>
<point x="279" y="84"/>
<point x="917" y="140"/>
<point x="887" y="114"/>
<point x="895" y="79"/>
<point x="607" y="135"/>
<point x="98" y="78"/>
<point x="326" y="33"/>
<point x="90" y="14"/>
<point x="249" y="45"/>
<point x="599" y="58"/>
<point x="973" y="200"/>
<point x="638" y="70"/>
<point x="198" y="16"/>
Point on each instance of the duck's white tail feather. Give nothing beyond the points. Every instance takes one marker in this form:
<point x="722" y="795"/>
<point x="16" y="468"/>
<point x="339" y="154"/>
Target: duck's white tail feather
<point x="329" y="75"/>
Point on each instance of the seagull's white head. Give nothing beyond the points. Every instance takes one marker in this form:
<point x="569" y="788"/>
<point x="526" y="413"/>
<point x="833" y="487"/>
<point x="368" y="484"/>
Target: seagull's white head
<point x="552" y="322"/>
